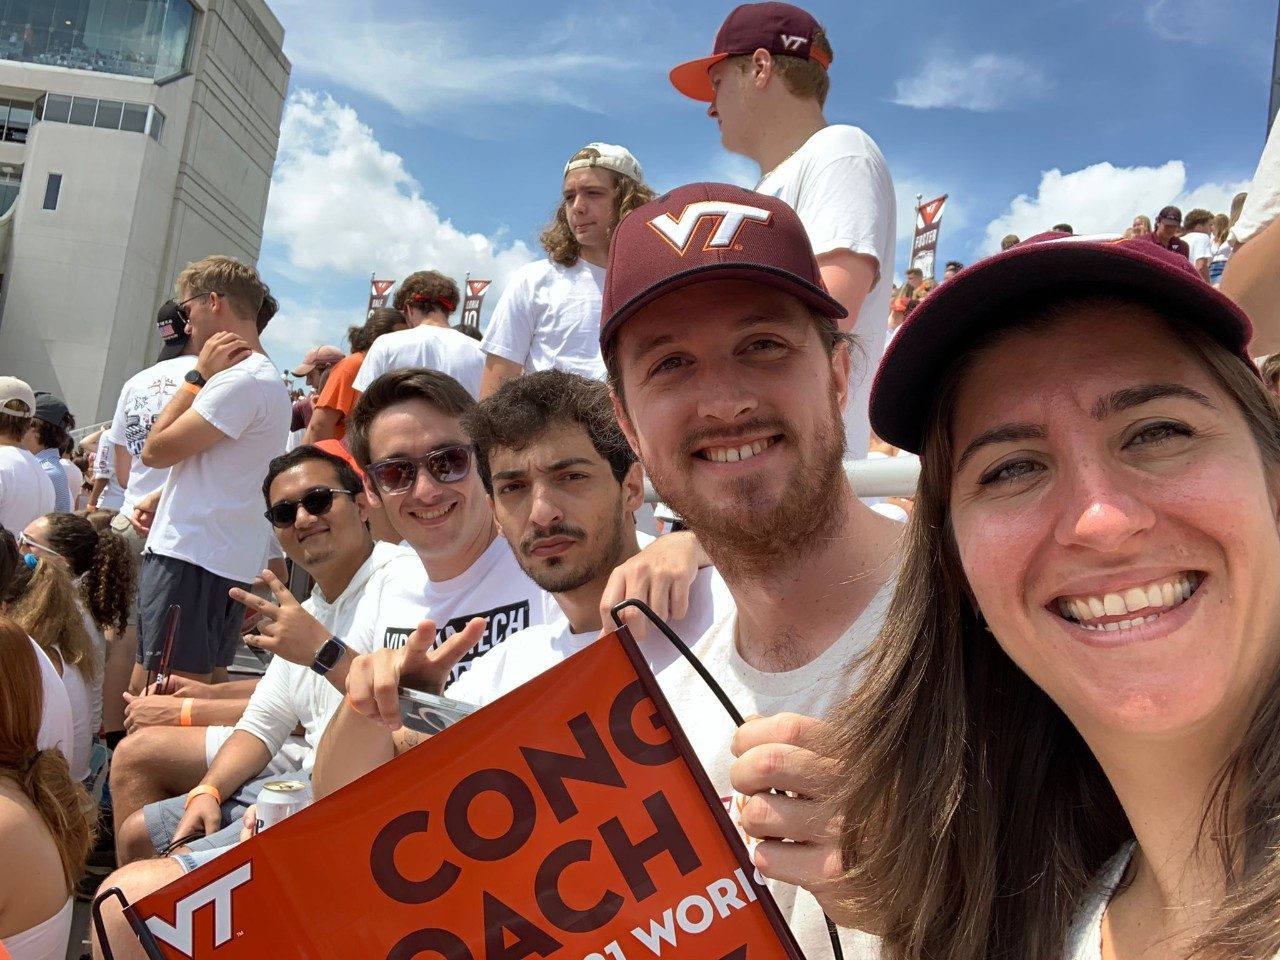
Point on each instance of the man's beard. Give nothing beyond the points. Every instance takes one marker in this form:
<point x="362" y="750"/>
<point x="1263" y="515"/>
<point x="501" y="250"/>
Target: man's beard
<point x="747" y="529"/>
<point x="554" y="576"/>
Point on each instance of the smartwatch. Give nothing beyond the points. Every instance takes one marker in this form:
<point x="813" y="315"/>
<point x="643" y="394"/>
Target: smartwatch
<point x="193" y="377"/>
<point x="328" y="655"/>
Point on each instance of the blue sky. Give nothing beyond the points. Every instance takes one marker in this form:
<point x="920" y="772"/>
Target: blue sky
<point x="428" y="134"/>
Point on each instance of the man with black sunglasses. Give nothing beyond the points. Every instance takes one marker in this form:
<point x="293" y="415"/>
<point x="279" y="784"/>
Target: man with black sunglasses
<point x="216" y="435"/>
<point x="317" y="505"/>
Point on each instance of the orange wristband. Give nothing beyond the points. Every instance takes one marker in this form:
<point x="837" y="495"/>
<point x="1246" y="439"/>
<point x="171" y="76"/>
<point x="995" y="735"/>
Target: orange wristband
<point x="208" y="788"/>
<point x="184" y="713"/>
<point x="190" y="388"/>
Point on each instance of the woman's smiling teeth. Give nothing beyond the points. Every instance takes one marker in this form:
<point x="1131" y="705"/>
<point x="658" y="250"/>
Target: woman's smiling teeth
<point x="1159" y="597"/>
<point x="435" y="514"/>
<point x="733" y="454"/>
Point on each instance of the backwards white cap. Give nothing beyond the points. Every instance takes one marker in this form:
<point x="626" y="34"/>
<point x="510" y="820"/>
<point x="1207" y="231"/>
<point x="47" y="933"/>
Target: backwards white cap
<point x="612" y="157"/>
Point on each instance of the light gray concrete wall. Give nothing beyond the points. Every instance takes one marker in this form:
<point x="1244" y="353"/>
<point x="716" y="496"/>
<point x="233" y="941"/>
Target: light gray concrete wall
<point x="82" y="283"/>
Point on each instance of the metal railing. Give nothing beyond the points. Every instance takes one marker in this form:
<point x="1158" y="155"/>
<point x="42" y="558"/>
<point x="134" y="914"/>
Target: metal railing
<point x="890" y="477"/>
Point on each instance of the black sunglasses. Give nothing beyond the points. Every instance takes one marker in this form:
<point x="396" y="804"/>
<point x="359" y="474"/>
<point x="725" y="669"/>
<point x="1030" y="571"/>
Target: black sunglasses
<point x="185" y="313"/>
<point x="398" y="474"/>
<point x="317" y="500"/>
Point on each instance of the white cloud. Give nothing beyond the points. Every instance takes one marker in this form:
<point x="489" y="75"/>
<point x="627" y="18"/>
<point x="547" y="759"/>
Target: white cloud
<point x="340" y="206"/>
<point x="430" y="63"/>
<point x="1184" y="21"/>
<point x="340" y="202"/>
<point x="1104" y="198"/>
<point x="983" y="82"/>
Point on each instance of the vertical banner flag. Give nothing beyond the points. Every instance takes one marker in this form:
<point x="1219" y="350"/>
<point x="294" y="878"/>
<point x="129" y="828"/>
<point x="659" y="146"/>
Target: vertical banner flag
<point x="471" y="303"/>
<point x="924" y="245"/>
<point x="568" y="820"/>
<point x="378" y="290"/>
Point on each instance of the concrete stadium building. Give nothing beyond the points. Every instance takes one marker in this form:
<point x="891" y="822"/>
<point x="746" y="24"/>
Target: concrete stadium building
<point x="135" y="137"/>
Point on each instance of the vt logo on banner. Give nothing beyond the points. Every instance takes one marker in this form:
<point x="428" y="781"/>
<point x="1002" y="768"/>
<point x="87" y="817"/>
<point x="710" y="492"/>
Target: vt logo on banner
<point x="471" y="304"/>
<point x="568" y="821"/>
<point x="924" y="243"/>
<point x="378" y="290"/>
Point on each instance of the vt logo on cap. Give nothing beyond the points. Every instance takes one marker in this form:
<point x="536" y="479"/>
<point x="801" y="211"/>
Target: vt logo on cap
<point x="730" y="219"/>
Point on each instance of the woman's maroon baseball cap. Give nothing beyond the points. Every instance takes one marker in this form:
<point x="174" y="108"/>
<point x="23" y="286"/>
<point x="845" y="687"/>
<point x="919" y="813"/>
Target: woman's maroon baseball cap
<point x="971" y="304"/>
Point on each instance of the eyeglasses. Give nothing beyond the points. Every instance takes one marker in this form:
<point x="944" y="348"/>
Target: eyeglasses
<point x="399" y="474"/>
<point x="317" y="500"/>
<point x="183" y="312"/>
<point x="27" y="545"/>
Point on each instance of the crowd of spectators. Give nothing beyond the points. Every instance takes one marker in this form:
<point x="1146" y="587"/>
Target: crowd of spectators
<point x="460" y="516"/>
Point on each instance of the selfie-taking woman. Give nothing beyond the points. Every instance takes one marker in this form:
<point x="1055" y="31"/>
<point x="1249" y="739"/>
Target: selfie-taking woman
<point x="1067" y="744"/>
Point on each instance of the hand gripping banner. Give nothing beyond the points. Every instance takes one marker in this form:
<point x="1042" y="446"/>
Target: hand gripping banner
<point x="569" y="820"/>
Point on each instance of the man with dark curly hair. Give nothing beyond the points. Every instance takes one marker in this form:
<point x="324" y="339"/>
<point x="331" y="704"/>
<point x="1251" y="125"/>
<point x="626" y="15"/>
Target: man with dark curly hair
<point x="549" y="314"/>
<point x="426" y="299"/>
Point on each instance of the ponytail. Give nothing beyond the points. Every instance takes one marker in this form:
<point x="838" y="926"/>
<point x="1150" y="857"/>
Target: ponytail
<point x="102" y="561"/>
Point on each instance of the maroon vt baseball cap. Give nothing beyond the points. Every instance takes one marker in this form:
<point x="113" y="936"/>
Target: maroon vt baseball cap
<point x="780" y="28"/>
<point x="971" y="304"/>
<point x="709" y="231"/>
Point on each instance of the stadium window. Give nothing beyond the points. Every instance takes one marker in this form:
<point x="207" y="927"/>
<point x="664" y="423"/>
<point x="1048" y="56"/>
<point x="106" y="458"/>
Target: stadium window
<point x="109" y="112"/>
<point x="52" y="187"/>
<point x="83" y="110"/>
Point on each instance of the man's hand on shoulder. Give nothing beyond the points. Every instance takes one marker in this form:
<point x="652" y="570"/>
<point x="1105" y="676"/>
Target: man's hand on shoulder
<point x="221" y="351"/>
<point x="661" y="575"/>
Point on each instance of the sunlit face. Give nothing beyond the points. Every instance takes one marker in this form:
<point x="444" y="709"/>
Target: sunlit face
<point x="202" y="321"/>
<point x="441" y="521"/>
<point x="1141" y="227"/>
<point x="734" y="406"/>
<point x="559" y="506"/>
<point x="589" y="207"/>
<point x="1116" y="526"/>
<point x="729" y="107"/>
<point x="316" y="541"/>
<point x="35" y="540"/>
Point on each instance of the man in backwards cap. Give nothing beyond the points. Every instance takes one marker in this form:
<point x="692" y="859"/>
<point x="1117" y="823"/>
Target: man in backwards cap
<point x="766" y="83"/>
<point x="549" y="314"/>
<point x="729" y="374"/>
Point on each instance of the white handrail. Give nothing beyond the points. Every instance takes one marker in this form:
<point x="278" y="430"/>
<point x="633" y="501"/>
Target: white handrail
<point x="890" y="477"/>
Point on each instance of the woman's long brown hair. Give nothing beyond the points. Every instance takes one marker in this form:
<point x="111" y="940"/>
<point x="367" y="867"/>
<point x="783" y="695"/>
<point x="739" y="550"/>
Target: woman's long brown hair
<point x="42" y="775"/>
<point x="975" y="816"/>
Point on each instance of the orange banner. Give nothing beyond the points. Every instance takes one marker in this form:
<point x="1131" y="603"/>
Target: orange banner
<point x="567" y="820"/>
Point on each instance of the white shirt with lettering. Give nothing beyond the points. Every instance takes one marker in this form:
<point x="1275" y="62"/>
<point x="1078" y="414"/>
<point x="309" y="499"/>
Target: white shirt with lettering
<point x="142" y="398"/>
<point x="530" y="652"/>
<point x="494" y="587"/>
<point x="839" y="184"/>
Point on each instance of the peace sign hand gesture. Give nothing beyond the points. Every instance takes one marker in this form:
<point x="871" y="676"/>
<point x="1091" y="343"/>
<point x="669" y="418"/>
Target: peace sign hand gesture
<point x="284" y="627"/>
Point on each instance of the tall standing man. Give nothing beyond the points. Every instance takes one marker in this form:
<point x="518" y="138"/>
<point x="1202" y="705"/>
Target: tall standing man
<point x="766" y="82"/>
<point x="217" y="435"/>
<point x="729" y="371"/>
<point x="549" y="314"/>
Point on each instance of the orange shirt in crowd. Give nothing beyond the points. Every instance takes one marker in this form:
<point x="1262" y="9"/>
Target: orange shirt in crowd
<point x="338" y="393"/>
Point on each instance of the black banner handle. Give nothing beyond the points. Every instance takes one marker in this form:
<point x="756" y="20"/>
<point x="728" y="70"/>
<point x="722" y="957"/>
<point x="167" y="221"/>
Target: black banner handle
<point x="140" y="929"/>
<point x="738" y="720"/>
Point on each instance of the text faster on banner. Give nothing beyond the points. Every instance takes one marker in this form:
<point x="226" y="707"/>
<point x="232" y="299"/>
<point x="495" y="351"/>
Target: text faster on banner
<point x="567" y="820"/>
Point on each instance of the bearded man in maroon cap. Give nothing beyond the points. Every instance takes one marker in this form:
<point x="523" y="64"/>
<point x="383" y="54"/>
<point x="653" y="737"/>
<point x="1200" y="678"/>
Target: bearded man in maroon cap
<point x="765" y="84"/>
<point x="729" y="374"/>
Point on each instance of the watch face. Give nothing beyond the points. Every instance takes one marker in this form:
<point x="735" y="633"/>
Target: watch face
<point x="193" y="376"/>
<point x="330" y="653"/>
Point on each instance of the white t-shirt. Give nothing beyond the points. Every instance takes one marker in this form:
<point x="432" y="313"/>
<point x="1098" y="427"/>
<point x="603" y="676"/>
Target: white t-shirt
<point x="104" y="465"/>
<point x="1263" y="203"/>
<point x="75" y="483"/>
<point x="812" y="690"/>
<point x="26" y="492"/>
<point x="1199" y="246"/>
<point x="494" y="587"/>
<point x="210" y="513"/>
<point x="549" y="319"/>
<point x="436" y="348"/>
<point x="530" y="652"/>
<point x="840" y="186"/>
<point x="289" y="694"/>
<point x="100" y="657"/>
<point x="55" y="711"/>
<point x="142" y="398"/>
<point x="82" y="728"/>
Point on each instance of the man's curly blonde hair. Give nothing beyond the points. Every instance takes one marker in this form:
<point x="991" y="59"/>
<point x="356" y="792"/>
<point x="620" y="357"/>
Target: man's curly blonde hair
<point x="557" y="238"/>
